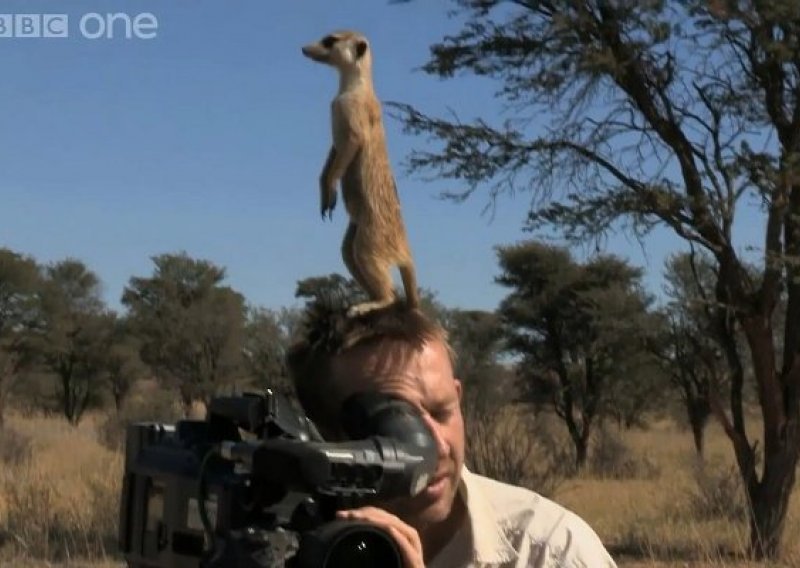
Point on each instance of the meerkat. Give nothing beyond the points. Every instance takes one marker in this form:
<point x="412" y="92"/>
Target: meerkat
<point x="375" y="239"/>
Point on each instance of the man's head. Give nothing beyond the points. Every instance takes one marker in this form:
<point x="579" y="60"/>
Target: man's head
<point x="399" y="352"/>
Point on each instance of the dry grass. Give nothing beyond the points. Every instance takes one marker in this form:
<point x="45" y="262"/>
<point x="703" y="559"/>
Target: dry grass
<point x="60" y="505"/>
<point x="647" y="522"/>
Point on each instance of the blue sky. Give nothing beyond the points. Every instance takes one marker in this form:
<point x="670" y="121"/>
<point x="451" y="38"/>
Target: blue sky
<point x="209" y="138"/>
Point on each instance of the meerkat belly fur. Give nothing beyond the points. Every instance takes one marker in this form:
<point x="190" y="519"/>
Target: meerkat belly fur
<point x="376" y="239"/>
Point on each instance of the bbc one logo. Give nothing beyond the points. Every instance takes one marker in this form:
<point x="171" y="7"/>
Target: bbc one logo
<point x="89" y="26"/>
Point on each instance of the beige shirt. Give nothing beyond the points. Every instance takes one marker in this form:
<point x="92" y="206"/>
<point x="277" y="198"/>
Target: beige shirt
<point x="514" y="527"/>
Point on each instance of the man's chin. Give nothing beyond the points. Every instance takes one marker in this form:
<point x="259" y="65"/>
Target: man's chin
<point x="435" y="513"/>
<point x="431" y="506"/>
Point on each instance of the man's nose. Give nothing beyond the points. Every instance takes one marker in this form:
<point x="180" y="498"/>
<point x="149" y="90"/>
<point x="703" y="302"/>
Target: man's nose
<point x="442" y="446"/>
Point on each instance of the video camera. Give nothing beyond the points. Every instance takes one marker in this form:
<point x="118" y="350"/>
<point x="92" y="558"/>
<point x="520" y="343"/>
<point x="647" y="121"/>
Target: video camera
<point x="254" y="485"/>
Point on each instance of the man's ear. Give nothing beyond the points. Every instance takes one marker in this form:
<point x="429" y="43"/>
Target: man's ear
<point x="459" y="392"/>
<point x="361" y="49"/>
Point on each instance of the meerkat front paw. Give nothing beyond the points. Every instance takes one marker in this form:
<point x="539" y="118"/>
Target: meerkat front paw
<point x="328" y="201"/>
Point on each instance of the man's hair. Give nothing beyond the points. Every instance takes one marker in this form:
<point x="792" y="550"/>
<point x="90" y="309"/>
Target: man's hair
<point x="329" y="332"/>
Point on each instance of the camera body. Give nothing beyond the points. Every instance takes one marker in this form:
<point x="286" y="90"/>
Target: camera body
<point x="255" y="485"/>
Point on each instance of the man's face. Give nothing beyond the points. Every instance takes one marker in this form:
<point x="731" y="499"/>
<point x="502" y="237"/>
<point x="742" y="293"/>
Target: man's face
<point x="425" y="379"/>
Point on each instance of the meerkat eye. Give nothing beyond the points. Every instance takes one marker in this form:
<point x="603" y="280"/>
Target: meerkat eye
<point x="328" y="41"/>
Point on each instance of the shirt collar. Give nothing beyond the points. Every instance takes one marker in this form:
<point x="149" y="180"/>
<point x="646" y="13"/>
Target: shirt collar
<point x="489" y="541"/>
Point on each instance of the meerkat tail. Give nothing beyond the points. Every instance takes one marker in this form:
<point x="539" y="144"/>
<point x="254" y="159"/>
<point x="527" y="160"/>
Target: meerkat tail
<point x="409" y="277"/>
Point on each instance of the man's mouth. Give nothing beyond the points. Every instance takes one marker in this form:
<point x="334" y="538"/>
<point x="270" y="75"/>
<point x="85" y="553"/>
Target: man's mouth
<point x="436" y="487"/>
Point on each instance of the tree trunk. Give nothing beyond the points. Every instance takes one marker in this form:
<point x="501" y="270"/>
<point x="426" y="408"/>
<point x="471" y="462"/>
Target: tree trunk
<point x="2" y="401"/>
<point x="67" y="394"/>
<point x="4" y="395"/>
<point x="9" y="375"/>
<point x="81" y="397"/>
<point x="582" y="442"/>
<point x="769" y="496"/>
<point x="699" y="412"/>
<point x="698" y="430"/>
<point x="769" y="502"/>
<point x="581" y="452"/>
<point x="579" y="431"/>
<point x="118" y="400"/>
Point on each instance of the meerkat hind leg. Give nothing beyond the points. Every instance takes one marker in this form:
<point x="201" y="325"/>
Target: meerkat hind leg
<point x="348" y="255"/>
<point x="377" y="283"/>
<point x="366" y="307"/>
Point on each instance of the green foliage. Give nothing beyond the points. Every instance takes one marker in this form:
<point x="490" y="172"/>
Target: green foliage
<point x="687" y="344"/>
<point x="477" y="337"/>
<point x="577" y="328"/>
<point x="75" y="333"/>
<point x="121" y="360"/>
<point x="191" y="326"/>
<point x="266" y="340"/>
<point x="19" y="319"/>
<point x="641" y="392"/>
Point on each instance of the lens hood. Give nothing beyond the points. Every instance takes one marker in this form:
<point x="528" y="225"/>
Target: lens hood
<point x="347" y="544"/>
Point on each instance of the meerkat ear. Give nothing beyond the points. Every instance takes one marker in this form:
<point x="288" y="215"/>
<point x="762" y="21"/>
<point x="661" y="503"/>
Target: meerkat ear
<point x="361" y="49"/>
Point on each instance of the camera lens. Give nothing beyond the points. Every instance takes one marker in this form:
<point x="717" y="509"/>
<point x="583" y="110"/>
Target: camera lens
<point x="363" y="549"/>
<point x="347" y="544"/>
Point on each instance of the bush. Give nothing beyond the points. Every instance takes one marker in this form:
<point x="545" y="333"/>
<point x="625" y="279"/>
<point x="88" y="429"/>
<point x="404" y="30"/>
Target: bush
<point x="718" y="493"/>
<point x="15" y="447"/>
<point x="515" y="447"/>
<point x="611" y="458"/>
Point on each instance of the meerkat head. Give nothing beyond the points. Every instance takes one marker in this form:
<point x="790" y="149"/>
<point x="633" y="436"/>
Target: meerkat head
<point x="345" y="50"/>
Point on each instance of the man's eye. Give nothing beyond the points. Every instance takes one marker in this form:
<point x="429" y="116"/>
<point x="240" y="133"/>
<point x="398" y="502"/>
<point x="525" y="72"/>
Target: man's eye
<point x="441" y="415"/>
<point x="328" y="41"/>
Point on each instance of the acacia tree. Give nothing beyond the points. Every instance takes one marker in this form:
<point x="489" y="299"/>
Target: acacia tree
<point x="694" y="370"/>
<point x="266" y="340"/>
<point x="698" y="341"/>
<point x="476" y="337"/>
<point x="191" y="326"/>
<point x="654" y="113"/>
<point x="121" y="361"/>
<point x="19" y="319"/>
<point x="74" y="334"/>
<point x="576" y="327"/>
<point x="643" y="387"/>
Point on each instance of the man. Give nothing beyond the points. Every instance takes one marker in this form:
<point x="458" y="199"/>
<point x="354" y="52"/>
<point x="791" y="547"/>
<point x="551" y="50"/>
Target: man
<point x="461" y="519"/>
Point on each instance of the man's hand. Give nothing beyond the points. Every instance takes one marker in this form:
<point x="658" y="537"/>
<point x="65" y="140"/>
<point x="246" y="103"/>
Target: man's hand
<point x="405" y="536"/>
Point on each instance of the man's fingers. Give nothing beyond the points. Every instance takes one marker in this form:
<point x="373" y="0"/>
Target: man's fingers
<point x="412" y="557"/>
<point x="389" y="520"/>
